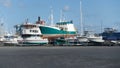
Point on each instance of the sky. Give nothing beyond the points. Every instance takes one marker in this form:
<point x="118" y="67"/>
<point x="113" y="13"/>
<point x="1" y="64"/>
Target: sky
<point x="97" y="14"/>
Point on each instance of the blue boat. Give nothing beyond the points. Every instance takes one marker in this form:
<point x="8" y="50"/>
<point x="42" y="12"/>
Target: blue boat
<point x="111" y="34"/>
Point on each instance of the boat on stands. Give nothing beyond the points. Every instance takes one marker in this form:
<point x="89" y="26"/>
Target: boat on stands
<point x="1" y="33"/>
<point x="111" y="35"/>
<point x="7" y="38"/>
<point x="31" y="34"/>
<point x="10" y="39"/>
<point x="95" y="38"/>
<point x="1" y="38"/>
<point x="60" y="29"/>
<point x="82" y="37"/>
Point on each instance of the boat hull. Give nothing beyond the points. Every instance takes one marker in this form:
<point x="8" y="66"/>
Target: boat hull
<point x="96" y="39"/>
<point x="83" y="39"/>
<point x="51" y="30"/>
<point x="35" y="42"/>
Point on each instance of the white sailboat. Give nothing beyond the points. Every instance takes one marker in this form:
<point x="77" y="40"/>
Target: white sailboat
<point x="10" y="39"/>
<point x="1" y="33"/>
<point x="95" y="38"/>
<point x="82" y="37"/>
<point x="5" y="37"/>
<point x="90" y="37"/>
<point x="1" y="30"/>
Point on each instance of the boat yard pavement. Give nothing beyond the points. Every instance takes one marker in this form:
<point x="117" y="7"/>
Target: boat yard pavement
<point x="60" y="57"/>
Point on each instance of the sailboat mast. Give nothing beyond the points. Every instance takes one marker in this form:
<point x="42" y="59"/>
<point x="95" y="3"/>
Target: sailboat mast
<point x="81" y="19"/>
<point x="61" y="15"/>
<point x="51" y="16"/>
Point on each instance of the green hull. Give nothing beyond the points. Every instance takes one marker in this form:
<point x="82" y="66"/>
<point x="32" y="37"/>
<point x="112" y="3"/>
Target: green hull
<point x="50" y="30"/>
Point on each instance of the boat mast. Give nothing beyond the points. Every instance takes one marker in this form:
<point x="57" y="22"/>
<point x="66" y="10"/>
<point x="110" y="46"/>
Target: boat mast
<point x="101" y="26"/>
<point x="81" y="19"/>
<point x="1" y="27"/>
<point x="51" y="16"/>
<point x="61" y="15"/>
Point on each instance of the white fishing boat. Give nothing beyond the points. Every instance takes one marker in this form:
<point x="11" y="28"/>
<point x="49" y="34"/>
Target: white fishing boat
<point x="31" y="34"/>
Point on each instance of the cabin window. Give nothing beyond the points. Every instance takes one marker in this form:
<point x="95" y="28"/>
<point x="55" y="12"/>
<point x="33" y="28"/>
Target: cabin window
<point x="27" y="35"/>
<point x="34" y="31"/>
<point x="30" y="30"/>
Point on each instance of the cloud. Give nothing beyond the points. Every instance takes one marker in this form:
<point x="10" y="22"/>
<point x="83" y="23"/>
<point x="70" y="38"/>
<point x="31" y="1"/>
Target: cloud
<point x="21" y="5"/>
<point x="66" y="8"/>
<point x="6" y="3"/>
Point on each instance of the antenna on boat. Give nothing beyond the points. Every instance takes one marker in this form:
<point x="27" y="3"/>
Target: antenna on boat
<point x="51" y="16"/>
<point x="101" y="26"/>
<point x="1" y="22"/>
<point x="61" y="15"/>
<point x="38" y="18"/>
<point x="26" y="21"/>
<point x="81" y="19"/>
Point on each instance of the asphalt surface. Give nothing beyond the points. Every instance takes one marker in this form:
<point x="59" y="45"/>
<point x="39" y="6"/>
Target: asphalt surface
<point x="60" y="57"/>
